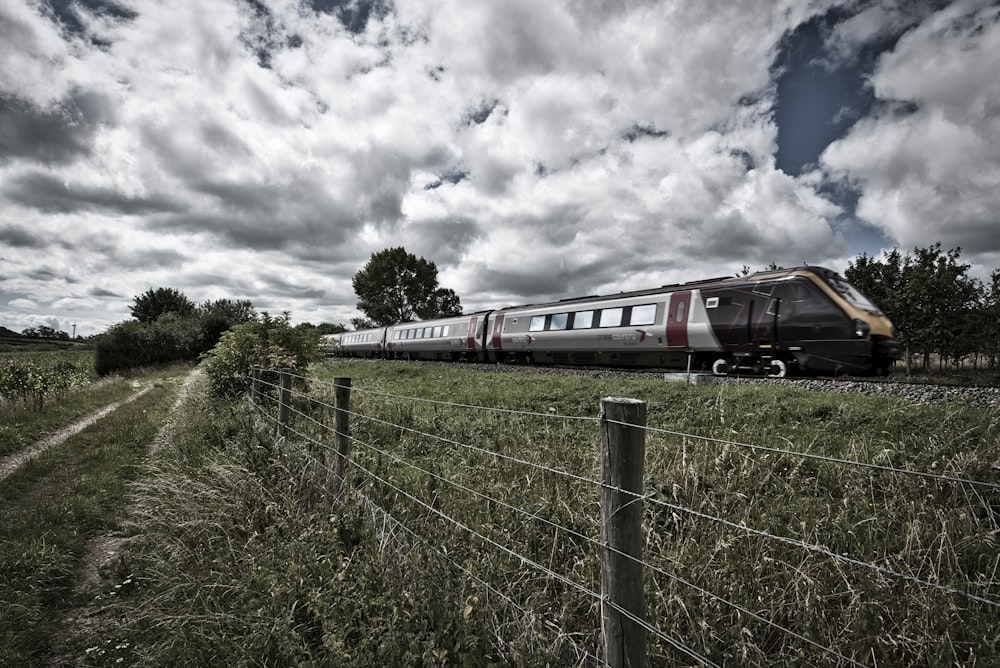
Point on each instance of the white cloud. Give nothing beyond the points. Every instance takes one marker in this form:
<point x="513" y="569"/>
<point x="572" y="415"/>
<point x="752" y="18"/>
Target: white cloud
<point x="532" y="150"/>
<point x="928" y="164"/>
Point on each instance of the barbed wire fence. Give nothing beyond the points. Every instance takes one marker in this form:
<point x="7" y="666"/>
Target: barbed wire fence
<point x="392" y="461"/>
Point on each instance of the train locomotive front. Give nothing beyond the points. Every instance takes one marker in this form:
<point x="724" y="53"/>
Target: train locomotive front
<point x="807" y="319"/>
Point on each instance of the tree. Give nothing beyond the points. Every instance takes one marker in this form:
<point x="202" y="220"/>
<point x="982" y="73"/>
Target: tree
<point x="220" y="315"/>
<point x="324" y="328"/>
<point x="927" y="294"/>
<point x="153" y="303"/>
<point x="396" y="286"/>
<point x="43" y="332"/>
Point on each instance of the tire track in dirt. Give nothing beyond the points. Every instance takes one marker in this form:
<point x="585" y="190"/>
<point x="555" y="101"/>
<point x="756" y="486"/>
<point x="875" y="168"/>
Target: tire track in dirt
<point x="12" y="462"/>
<point x="101" y="551"/>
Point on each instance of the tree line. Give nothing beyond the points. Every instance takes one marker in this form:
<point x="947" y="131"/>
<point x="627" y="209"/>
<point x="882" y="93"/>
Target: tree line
<point x="940" y="312"/>
<point x="167" y="327"/>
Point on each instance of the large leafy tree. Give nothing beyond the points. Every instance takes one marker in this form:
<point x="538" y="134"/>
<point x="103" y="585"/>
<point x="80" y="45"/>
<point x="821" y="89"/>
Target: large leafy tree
<point x="220" y="315"/>
<point x="928" y="295"/>
<point x="396" y="286"/>
<point x="154" y="302"/>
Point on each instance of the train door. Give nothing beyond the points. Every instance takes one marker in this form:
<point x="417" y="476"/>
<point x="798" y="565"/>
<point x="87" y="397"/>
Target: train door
<point x="388" y="340"/>
<point x="497" y="331"/>
<point x="764" y="315"/>
<point x="470" y="341"/>
<point x="677" y="316"/>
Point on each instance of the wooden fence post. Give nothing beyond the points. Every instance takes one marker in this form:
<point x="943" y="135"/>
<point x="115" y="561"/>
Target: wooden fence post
<point x="255" y="384"/>
<point x="623" y="449"/>
<point x="341" y="428"/>
<point x="284" y="401"/>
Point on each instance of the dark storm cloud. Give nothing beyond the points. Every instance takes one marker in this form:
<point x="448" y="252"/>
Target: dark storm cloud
<point x="47" y="274"/>
<point x="445" y="241"/>
<point x="57" y="135"/>
<point x="511" y="281"/>
<point x="18" y="237"/>
<point x="147" y="258"/>
<point x="48" y="194"/>
<point x="270" y="216"/>
<point x="266" y="218"/>
<point x="557" y="279"/>
<point x="280" y="284"/>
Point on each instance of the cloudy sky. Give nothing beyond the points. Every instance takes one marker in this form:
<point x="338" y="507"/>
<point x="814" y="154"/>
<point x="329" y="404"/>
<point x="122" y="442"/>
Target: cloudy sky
<point x="264" y="149"/>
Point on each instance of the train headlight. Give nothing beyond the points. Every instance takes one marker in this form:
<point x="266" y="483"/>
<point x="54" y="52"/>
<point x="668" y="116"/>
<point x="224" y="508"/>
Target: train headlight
<point x="861" y="328"/>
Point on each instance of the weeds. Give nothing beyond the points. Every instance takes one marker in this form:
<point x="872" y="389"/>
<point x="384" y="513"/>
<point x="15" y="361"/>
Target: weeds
<point x="243" y="556"/>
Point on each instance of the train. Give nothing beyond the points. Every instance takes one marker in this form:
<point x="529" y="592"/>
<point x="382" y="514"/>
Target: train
<point x="799" y="321"/>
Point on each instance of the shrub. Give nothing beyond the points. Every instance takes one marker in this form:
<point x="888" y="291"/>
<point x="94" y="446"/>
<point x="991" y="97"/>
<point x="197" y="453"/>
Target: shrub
<point x="132" y="344"/>
<point x="268" y="342"/>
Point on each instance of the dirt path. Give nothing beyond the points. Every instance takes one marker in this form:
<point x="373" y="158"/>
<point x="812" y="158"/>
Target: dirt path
<point x="101" y="552"/>
<point x="12" y="462"/>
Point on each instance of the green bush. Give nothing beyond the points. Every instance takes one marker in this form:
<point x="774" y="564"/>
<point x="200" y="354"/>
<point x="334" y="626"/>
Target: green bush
<point x="25" y="382"/>
<point x="132" y="344"/>
<point x="268" y="342"/>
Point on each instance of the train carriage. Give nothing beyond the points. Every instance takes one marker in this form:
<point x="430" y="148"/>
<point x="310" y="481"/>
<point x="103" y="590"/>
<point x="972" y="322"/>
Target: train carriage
<point x="652" y="328"/>
<point x="450" y="339"/>
<point x="363" y="343"/>
<point x="329" y="344"/>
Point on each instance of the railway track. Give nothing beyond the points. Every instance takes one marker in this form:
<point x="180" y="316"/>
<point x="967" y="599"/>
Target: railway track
<point x="916" y="393"/>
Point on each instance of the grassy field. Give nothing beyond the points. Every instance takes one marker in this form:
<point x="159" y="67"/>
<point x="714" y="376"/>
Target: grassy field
<point x="469" y="536"/>
<point x="56" y="502"/>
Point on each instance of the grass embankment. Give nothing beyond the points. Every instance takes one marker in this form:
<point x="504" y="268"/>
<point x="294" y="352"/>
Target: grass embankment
<point x="54" y="503"/>
<point x="245" y="559"/>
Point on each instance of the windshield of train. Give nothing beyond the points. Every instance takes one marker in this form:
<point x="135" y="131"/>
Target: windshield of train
<point x="851" y="294"/>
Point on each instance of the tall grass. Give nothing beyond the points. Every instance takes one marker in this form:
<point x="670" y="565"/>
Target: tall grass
<point x="50" y="508"/>
<point x="246" y="555"/>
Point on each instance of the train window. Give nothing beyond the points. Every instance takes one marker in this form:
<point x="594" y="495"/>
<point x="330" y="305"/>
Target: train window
<point x="643" y="315"/>
<point x="851" y="294"/>
<point x="797" y="292"/>
<point x="437" y="331"/>
<point x="558" y="321"/>
<point x="611" y="317"/>
<point x="428" y="331"/>
<point x="583" y="319"/>
<point x="537" y="323"/>
<point x="679" y="313"/>
<point x="445" y="329"/>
